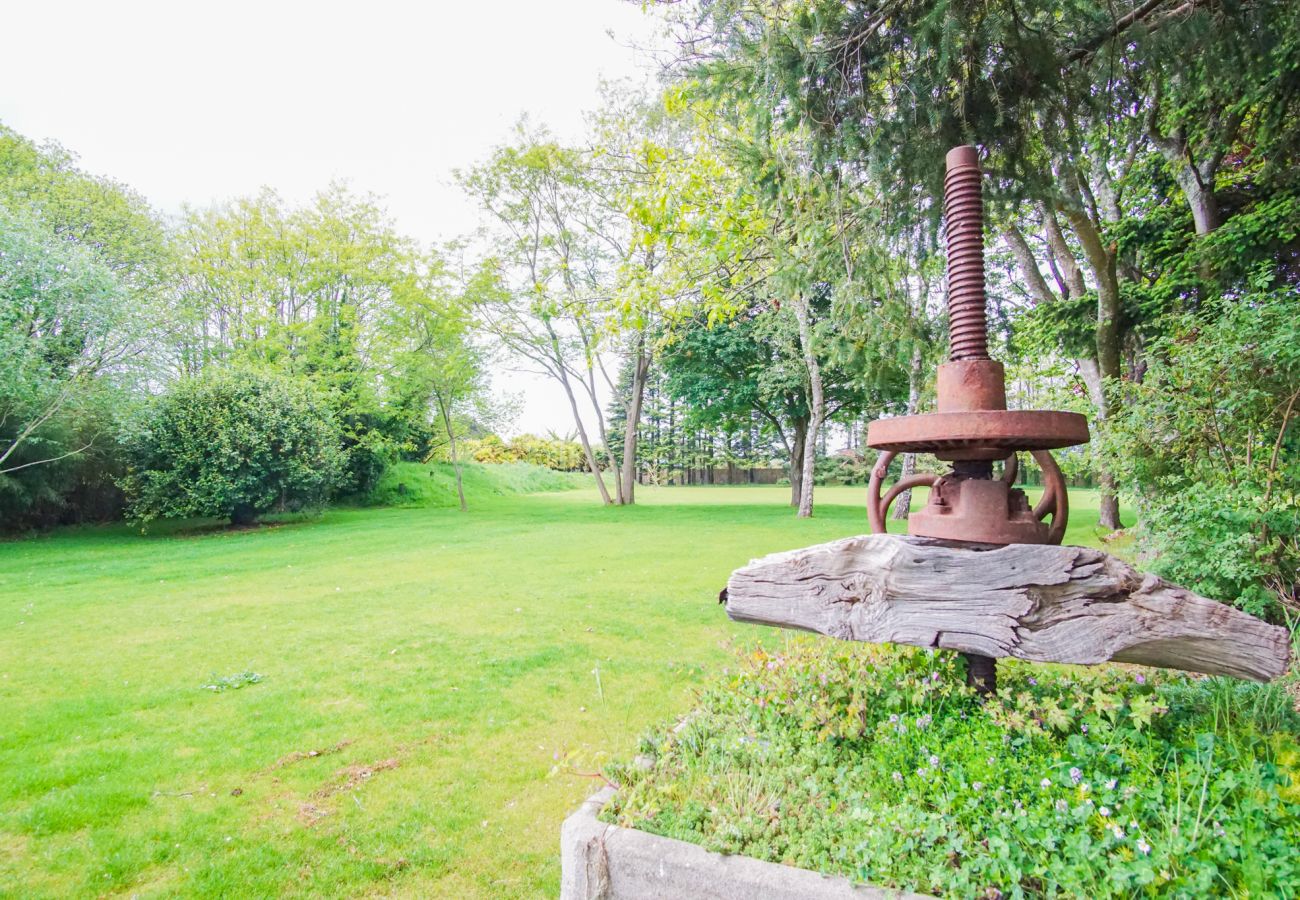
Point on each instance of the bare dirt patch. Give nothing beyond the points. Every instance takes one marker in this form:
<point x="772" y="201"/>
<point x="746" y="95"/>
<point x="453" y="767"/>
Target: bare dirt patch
<point x="299" y="755"/>
<point x="354" y="775"/>
<point x="349" y="778"/>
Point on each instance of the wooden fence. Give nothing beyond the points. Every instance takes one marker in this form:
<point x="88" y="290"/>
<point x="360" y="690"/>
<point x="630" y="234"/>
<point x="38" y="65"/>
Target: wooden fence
<point x="733" y="474"/>
<point x="729" y="474"/>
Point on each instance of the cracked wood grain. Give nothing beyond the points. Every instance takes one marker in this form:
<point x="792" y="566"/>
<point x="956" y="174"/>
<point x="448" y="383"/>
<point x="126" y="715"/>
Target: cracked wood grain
<point x="1031" y="601"/>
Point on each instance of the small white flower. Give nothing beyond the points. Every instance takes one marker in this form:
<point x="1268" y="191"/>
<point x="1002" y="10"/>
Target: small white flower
<point x="1143" y="847"/>
<point x="1104" y="812"/>
<point x="1075" y="775"/>
<point x="1062" y="806"/>
<point x="1045" y="783"/>
<point x="978" y="786"/>
<point x="1118" y="832"/>
<point x="1110" y="785"/>
<point x="898" y="776"/>
<point x="934" y="761"/>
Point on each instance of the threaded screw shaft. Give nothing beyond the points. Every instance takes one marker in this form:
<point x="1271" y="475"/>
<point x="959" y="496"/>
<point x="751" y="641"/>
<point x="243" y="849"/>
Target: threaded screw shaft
<point x="963" y="212"/>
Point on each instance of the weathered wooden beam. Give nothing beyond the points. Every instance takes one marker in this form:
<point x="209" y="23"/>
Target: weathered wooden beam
<point x="1031" y="601"/>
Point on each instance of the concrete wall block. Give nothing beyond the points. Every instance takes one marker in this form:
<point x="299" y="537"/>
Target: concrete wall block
<point x="605" y="862"/>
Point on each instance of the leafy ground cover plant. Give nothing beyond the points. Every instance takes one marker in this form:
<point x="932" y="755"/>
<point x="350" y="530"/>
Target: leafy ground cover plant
<point x="879" y="764"/>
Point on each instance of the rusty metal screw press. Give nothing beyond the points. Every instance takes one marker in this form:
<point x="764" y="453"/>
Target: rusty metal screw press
<point x="973" y="428"/>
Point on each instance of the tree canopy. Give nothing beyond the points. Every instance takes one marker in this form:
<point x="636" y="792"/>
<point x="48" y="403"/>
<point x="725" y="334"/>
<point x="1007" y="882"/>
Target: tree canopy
<point x="741" y="267"/>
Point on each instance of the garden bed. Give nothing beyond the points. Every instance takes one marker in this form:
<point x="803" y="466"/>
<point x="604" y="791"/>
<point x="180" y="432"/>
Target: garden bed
<point x="601" y="861"/>
<point x="878" y="766"/>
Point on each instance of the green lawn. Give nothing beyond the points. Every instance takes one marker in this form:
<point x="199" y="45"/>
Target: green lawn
<point x="430" y="687"/>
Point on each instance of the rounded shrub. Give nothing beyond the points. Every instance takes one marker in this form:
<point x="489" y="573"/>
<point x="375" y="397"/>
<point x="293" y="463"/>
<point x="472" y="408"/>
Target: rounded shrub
<point x="232" y="445"/>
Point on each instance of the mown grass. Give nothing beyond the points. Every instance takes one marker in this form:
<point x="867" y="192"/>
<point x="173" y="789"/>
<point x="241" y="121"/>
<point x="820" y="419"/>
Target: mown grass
<point x="428" y="696"/>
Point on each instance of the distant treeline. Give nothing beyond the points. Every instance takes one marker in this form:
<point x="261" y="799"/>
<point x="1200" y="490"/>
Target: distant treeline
<point x="237" y="359"/>
<point x="721" y="273"/>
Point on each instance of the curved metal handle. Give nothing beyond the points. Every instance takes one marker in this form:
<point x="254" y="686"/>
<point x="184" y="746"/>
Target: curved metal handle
<point x="1055" y="500"/>
<point x="877" y="506"/>
<point x="875" y="518"/>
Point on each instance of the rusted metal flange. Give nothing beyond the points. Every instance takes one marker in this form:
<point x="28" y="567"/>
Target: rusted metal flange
<point x="987" y="435"/>
<point x="973" y="427"/>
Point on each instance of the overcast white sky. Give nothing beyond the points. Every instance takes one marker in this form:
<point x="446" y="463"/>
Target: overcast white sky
<point x="195" y="103"/>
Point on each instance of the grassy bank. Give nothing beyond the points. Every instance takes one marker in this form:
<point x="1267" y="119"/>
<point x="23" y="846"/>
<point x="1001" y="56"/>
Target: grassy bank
<point x="412" y="484"/>
<point x="435" y="687"/>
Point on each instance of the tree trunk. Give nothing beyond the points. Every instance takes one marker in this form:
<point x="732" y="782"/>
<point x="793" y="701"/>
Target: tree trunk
<point x="455" y="457"/>
<point x="631" y="429"/>
<point x="1205" y="211"/>
<point x="800" y="432"/>
<point x="1196" y="169"/>
<point x="592" y="465"/>
<point x="1030" y="274"/>
<point x="903" y="505"/>
<point x="1071" y="276"/>
<point x="1101" y="260"/>
<point x="1108" y="503"/>
<point x="555" y="365"/>
<point x="817" y="404"/>
<point x="1200" y="197"/>
<point x="809" y="466"/>
<point x="589" y="385"/>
